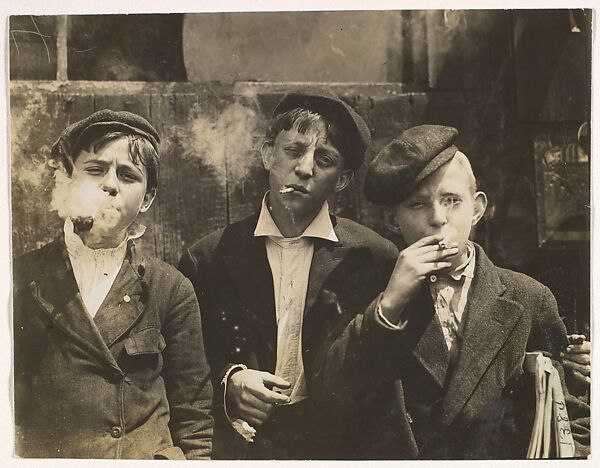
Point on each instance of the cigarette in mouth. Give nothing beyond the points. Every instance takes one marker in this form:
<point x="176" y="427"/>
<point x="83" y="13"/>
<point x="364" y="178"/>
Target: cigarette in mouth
<point x="83" y="223"/>
<point x="286" y="190"/>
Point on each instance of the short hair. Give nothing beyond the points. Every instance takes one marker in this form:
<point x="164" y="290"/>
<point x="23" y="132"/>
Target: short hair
<point x="305" y="120"/>
<point x="141" y="151"/>
<point x="463" y="160"/>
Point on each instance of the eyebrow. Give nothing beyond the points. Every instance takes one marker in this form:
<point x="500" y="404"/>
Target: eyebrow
<point x="101" y="162"/>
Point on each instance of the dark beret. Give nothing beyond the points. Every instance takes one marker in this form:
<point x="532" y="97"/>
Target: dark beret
<point x="399" y="167"/>
<point x="357" y="136"/>
<point x="107" y="121"/>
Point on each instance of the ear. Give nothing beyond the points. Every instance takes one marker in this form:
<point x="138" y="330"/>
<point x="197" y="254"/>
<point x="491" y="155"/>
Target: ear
<point x="344" y="179"/>
<point x="480" y="204"/>
<point x="148" y="199"/>
<point x="388" y="216"/>
<point x="266" y="154"/>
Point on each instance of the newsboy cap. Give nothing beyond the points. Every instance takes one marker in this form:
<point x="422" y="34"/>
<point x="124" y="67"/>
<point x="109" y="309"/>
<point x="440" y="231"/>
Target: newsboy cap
<point x="107" y="120"/>
<point x="400" y="166"/>
<point x="357" y="136"/>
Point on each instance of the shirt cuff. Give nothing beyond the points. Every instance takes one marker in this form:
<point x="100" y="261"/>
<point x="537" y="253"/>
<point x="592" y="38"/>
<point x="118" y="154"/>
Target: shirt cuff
<point x="239" y="425"/>
<point x="383" y="321"/>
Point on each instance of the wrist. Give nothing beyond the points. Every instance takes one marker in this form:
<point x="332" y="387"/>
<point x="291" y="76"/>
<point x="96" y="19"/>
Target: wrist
<point x="392" y="308"/>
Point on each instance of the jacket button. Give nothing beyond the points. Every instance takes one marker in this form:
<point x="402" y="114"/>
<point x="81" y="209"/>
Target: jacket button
<point x="116" y="432"/>
<point x="409" y="418"/>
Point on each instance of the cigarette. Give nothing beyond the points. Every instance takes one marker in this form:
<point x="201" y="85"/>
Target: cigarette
<point x="442" y="244"/>
<point x="286" y="190"/>
<point x="83" y="223"/>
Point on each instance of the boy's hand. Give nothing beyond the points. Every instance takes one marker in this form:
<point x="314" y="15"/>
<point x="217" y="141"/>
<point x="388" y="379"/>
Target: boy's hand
<point x="250" y="397"/>
<point x="577" y="357"/>
<point x="412" y="267"/>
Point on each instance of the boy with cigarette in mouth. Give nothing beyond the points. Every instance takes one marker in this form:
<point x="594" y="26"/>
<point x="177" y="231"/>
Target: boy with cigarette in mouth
<point x="435" y="362"/>
<point x="109" y="356"/>
<point x="274" y="288"/>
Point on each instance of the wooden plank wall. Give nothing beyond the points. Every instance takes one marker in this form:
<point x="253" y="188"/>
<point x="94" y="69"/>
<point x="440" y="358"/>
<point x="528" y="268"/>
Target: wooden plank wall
<point x="210" y="170"/>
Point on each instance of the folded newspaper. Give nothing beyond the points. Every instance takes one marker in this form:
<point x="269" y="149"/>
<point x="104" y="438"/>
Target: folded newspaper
<point x="551" y="427"/>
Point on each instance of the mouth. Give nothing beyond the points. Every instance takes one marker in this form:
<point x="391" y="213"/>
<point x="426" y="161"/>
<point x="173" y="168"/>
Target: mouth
<point x="289" y="188"/>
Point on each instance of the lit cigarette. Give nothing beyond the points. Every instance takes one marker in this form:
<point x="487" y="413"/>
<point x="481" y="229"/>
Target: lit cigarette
<point x="286" y="190"/>
<point x="83" y="223"/>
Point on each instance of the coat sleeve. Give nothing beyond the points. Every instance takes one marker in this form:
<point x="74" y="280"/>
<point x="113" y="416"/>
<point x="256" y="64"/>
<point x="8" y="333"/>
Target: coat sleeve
<point x="198" y="270"/>
<point x="187" y="375"/>
<point x="550" y="335"/>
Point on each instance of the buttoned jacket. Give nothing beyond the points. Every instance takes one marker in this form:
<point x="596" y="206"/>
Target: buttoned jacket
<point x="132" y="382"/>
<point x="412" y="398"/>
<point x="233" y="281"/>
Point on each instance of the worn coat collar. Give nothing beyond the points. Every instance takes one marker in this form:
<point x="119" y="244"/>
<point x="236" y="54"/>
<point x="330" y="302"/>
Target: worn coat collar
<point x="245" y="259"/>
<point x="55" y="290"/>
<point x="488" y="322"/>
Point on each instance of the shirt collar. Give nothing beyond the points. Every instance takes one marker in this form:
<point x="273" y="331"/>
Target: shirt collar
<point x="320" y="227"/>
<point x="75" y="245"/>
<point x="466" y="269"/>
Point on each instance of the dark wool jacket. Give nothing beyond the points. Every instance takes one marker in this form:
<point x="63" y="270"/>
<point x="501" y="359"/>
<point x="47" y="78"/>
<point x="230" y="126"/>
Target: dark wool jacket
<point x="133" y="382"/>
<point x="233" y="281"/>
<point x="404" y="395"/>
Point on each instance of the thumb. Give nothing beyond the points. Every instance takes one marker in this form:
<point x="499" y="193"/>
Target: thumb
<point x="271" y="380"/>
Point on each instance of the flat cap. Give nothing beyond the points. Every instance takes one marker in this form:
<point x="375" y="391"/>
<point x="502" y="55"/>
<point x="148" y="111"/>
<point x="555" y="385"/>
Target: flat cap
<point x="400" y="166"/>
<point x="357" y="136"/>
<point x="107" y="120"/>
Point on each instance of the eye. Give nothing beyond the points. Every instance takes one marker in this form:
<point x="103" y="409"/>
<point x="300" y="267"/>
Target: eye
<point x="451" y="200"/>
<point x="324" y="160"/>
<point x="293" y="151"/>
<point x="94" y="170"/>
<point x="416" y="204"/>
<point x="129" y="177"/>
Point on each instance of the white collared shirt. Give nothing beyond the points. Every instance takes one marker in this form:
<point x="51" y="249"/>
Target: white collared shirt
<point x="290" y="259"/>
<point x="450" y="306"/>
<point x="95" y="270"/>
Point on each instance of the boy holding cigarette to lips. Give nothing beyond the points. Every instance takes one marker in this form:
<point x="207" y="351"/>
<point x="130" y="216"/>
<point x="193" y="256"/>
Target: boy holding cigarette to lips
<point x="275" y="287"/>
<point x="109" y="357"/>
<point x="435" y="362"/>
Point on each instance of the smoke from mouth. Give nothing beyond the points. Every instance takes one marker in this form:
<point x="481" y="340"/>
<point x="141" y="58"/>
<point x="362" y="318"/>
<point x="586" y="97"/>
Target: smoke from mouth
<point x="81" y="203"/>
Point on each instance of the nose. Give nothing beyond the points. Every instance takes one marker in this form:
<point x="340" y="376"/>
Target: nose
<point x="304" y="167"/>
<point x="110" y="183"/>
<point x="438" y="215"/>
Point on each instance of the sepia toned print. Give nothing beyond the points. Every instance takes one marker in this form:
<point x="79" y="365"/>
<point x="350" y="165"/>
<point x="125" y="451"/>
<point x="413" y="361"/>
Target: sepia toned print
<point x="229" y="241"/>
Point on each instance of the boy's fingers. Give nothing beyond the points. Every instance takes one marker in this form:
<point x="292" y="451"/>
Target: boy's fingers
<point x="251" y="401"/>
<point x="429" y="240"/>
<point x="435" y="249"/>
<point x="274" y="381"/>
<point x="584" y="369"/>
<point x="584" y="347"/>
<point x="583" y="378"/>
<point x="582" y="358"/>
<point x="434" y="266"/>
<point x="576" y="339"/>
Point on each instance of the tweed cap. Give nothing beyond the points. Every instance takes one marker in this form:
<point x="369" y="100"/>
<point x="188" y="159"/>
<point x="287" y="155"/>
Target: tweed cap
<point x="399" y="167"/>
<point x="357" y="136"/>
<point x="108" y="121"/>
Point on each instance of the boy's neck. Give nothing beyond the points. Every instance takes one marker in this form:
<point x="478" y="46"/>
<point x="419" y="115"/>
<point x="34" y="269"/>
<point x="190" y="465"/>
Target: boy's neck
<point x="289" y="222"/>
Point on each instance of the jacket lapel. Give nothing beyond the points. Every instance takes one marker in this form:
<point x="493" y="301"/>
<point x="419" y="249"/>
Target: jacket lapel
<point x="326" y="258"/>
<point x="245" y="259"/>
<point x="125" y="300"/>
<point x="56" y="292"/>
<point x="489" y="320"/>
<point x="430" y="349"/>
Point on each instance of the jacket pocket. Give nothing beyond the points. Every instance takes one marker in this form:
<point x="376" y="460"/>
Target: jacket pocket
<point x="169" y="453"/>
<point x="146" y="341"/>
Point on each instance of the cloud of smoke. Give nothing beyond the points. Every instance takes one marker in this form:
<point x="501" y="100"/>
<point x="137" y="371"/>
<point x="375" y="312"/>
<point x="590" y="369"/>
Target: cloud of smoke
<point x="71" y="199"/>
<point x="227" y="143"/>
